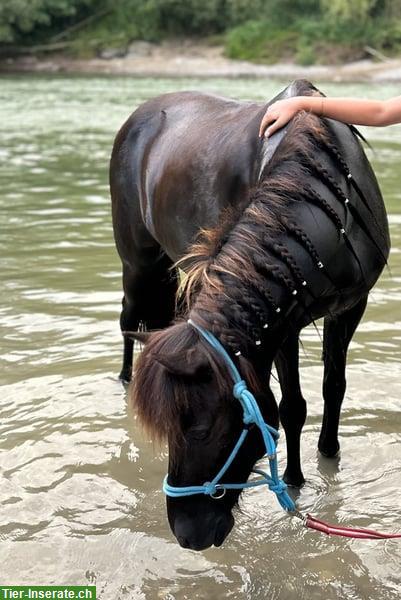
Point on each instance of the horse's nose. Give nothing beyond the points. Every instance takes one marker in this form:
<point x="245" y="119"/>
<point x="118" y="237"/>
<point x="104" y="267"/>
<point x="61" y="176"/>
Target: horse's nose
<point x="223" y="527"/>
<point x="193" y="533"/>
<point x="182" y="540"/>
<point x="199" y="534"/>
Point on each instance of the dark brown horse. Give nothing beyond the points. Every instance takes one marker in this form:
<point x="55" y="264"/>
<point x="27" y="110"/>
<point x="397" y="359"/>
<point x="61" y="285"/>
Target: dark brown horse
<point x="293" y="229"/>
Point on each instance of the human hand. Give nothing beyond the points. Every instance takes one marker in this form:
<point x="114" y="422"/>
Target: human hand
<point x="278" y="115"/>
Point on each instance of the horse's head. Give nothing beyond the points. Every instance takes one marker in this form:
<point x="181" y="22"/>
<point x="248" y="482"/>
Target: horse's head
<point x="183" y="393"/>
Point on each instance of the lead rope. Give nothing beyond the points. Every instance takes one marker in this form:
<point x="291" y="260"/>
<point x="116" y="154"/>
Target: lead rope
<point x="350" y="532"/>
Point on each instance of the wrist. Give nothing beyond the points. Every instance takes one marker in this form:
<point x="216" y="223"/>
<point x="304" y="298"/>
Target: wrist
<point x="305" y="104"/>
<point x="313" y="104"/>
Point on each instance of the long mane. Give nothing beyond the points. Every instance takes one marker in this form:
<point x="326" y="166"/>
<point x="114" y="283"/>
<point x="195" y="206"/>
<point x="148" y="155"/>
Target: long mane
<point x="280" y="182"/>
<point x="239" y="271"/>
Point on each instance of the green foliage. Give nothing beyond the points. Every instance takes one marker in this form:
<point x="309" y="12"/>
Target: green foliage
<point x="306" y="52"/>
<point x="346" y="11"/>
<point x="333" y="31"/>
<point x="260" y="41"/>
<point x="155" y="20"/>
<point x="189" y="17"/>
<point x="21" y="18"/>
<point x="258" y="30"/>
<point x="347" y="40"/>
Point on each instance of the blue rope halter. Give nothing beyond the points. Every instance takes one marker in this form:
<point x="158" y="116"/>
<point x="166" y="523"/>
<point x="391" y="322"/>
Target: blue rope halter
<point x="252" y="415"/>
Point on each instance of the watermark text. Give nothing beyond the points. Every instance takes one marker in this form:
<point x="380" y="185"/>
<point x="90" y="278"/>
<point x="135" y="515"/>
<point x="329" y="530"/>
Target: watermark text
<point x="49" y="592"/>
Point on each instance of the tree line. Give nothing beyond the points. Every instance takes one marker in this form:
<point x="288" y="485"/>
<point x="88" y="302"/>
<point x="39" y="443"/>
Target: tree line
<point x="251" y="29"/>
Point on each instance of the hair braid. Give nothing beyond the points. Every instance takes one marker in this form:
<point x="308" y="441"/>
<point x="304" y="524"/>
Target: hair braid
<point x="248" y="301"/>
<point x="325" y="206"/>
<point x="284" y="254"/>
<point x="331" y="183"/>
<point x="304" y="240"/>
<point x="278" y="275"/>
<point x="333" y="151"/>
<point x="255" y="306"/>
<point x="244" y="303"/>
<point x="261" y="286"/>
<point x="337" y="190"/>
<point x="239" y="310"/>
<point x="273" y="271"/>
<point x="224" y="333"/>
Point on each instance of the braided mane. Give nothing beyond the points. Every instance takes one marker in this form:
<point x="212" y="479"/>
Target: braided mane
<point x="237" y="272"/>
<point x="293" y="157"/>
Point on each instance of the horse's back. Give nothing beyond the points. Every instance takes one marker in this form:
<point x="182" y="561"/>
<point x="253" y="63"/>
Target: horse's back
<point x="179" y="160"/>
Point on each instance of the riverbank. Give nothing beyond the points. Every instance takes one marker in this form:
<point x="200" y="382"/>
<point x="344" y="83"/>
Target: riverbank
<point x="188" y="59"/>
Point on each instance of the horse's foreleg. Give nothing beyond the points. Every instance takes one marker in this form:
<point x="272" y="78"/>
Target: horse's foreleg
<point x="129" y="321"/>
<point x="149" y="299"/>
<point x="292" y="407"/>
<point x="337" y="335"/>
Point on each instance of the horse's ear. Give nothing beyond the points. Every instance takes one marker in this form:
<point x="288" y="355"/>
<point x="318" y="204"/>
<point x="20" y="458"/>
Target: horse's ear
<point x="187" y="363"/>
<point x="139" y="336"/>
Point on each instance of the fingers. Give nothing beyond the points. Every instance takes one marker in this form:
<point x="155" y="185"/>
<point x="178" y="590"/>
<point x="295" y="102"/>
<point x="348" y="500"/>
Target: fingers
<point x="270" y="123"/>
<point x="278" y="115"/>
<point x="278" y="124"/>
<point x="264" y="124"/>
<point x="269" y="117"/>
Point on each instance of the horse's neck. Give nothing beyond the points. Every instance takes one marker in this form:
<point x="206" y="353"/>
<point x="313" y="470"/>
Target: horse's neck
<point x="246" y="312"/>
<point x="291" y="256"/>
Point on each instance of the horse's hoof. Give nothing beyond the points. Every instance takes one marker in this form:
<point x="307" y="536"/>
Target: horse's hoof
<point x="328" y="452"/>
<point x="125" y="377"/>
<point x="296" y="481"/>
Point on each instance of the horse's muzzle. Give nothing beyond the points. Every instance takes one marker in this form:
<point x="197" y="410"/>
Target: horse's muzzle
<point x="202" y="533"/>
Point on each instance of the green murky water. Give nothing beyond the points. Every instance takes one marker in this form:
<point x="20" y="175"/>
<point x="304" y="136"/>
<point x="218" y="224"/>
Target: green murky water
<point x="80" y="486"/>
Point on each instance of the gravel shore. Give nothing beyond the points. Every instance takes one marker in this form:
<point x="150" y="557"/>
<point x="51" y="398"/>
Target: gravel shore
<point x="195" y="60"/>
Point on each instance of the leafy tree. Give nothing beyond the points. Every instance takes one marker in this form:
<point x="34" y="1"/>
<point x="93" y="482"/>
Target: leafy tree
<point x="21" y="17"/>
<point x="343" y="10"/>
<point x="256" y="29"/>
<point x="391" y="9"/>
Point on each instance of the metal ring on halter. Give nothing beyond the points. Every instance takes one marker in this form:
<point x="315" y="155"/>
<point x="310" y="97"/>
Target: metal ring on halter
<point x="220" y="491"/>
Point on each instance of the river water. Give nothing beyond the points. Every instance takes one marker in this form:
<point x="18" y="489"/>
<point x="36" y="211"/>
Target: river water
<point x="79" y="483"/>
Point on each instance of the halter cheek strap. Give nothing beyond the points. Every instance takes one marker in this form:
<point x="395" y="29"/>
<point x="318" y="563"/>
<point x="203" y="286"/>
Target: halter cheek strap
<point x="251" y="416"/>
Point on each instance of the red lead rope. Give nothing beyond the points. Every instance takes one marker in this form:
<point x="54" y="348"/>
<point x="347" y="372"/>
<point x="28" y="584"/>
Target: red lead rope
<point x="351" y="532"/>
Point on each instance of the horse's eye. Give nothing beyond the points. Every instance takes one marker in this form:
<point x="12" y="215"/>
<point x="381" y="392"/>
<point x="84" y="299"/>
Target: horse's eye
<point x="198" y="433"/>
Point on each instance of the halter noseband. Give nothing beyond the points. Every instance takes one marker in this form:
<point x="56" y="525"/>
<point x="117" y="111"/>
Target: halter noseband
<point x="251" y="416"/>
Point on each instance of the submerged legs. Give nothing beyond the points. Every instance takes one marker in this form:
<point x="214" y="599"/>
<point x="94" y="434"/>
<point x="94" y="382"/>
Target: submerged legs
<point x="149" y="298"/>
<point x="338" y="333"/>
<point x="292" y="407"/>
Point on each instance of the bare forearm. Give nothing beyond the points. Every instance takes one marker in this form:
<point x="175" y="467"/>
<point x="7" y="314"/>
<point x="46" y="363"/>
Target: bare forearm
<point x="348" y="110"/>
<point x="357" y="111"/>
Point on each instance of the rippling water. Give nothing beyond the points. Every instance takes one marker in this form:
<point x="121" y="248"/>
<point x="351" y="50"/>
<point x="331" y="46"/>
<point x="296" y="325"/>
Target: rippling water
<point x="80" y="486"/>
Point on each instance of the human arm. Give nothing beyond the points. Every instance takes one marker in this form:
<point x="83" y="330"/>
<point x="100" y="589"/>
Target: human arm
<point x="349" y="110"/>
